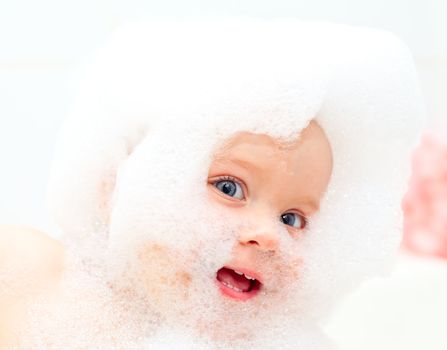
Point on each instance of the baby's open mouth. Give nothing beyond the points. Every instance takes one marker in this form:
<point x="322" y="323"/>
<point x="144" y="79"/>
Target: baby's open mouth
<point x="237" y="283"/>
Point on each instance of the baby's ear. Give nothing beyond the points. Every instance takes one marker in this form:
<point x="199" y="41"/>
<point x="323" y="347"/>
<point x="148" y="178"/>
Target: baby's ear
<point x="83" y="177"/>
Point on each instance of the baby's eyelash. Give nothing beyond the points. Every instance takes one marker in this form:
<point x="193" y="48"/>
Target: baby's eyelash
<point x="228" y="178"/>
<point x="231" y="178"/>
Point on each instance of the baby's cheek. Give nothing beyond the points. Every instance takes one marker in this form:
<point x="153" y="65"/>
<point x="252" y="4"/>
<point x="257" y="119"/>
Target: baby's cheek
<point x="294" y="268"/>
<point x="164" y="273"/>
<point x="286" y="272"/>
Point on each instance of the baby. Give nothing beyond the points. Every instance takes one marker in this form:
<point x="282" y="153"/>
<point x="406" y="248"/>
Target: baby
<point x="219" y="185"/>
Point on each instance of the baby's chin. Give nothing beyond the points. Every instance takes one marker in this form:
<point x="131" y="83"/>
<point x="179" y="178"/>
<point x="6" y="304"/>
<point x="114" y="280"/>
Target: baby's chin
<point x="244" y="327"/>
<point x="286" y="337"/>
<point x="219" y="301"/>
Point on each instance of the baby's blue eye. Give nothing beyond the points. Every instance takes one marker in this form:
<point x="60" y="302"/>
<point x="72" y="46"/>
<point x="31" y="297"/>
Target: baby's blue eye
<point x="230" y="188"/>
<point x="294" y="220"/>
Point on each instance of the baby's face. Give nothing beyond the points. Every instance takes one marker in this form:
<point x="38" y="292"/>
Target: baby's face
<point x="260" y="195"/>
<point x="262" y="182"/>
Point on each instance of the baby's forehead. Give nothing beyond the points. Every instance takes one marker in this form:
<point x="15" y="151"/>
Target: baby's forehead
<point x="247" y="142"/>
<point x="248" y="150"/>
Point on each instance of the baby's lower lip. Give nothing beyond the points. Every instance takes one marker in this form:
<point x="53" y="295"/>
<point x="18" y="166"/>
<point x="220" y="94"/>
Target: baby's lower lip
<point x="241" y="296"/>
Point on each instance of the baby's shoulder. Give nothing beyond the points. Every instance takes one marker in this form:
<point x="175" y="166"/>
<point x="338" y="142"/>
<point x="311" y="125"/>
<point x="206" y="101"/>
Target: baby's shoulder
<point x="26" y="250"/>
<point x="31" y="263"/>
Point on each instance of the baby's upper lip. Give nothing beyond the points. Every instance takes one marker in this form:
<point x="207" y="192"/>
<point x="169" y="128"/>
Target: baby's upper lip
<point x="250" y="273"/>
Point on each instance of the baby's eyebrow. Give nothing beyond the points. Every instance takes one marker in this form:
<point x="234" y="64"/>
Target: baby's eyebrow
<point x="245" y="164"/>
<point x="312" y="204"/>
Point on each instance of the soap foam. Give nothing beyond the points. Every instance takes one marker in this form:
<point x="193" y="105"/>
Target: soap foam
<point x="128" y="187"/>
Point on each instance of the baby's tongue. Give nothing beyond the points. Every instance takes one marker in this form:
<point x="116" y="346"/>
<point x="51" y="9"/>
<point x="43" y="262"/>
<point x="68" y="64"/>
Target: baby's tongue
<point x="230" y="277"/>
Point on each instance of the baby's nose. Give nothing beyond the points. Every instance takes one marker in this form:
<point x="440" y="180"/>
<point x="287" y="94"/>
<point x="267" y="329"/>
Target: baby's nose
<point x="262" y="236"/>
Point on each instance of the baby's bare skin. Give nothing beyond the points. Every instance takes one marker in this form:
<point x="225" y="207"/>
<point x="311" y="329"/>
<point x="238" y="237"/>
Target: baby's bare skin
<point x="31" y="263"/>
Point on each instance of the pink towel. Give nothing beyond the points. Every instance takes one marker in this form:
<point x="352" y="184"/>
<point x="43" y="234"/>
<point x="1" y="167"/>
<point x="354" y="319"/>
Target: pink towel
<point x="425" y="204"/>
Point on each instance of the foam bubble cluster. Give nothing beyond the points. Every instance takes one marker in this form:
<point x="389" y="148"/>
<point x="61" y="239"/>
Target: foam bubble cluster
<point x="158" y="101"/>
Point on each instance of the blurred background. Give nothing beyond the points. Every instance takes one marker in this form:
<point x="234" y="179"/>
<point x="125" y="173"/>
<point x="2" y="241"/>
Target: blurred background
<point x="43" y="43"/>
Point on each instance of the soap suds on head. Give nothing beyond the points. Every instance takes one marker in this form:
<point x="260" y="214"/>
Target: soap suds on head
<point x="132" y="170"/>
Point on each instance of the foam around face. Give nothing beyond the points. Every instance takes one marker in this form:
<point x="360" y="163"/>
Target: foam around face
<point x="158" y="102"/>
